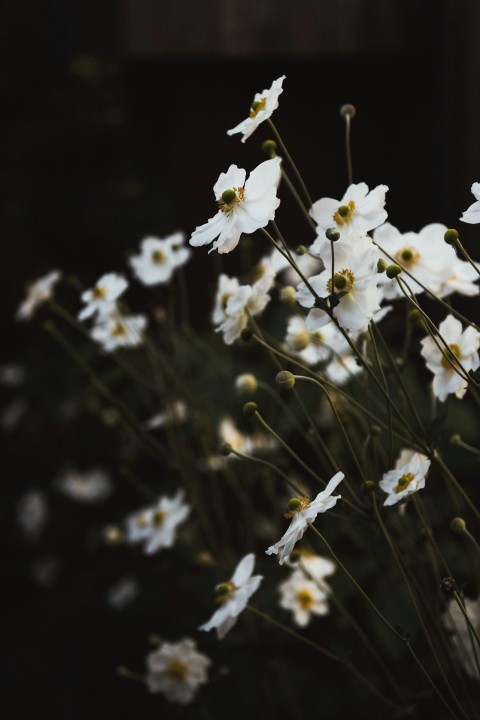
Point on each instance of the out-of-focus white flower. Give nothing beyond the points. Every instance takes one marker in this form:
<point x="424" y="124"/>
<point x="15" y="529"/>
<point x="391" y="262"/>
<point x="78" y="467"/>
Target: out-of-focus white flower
<point x="174" y="414"/>
<point x="91" y="486"/>
<point x="472" y="214"/>
<point x="303" y="597"/>
<point x="246" y="300"/>
<point x="117" y="331"/>
<point x="156" y="526"/>
<point x="12" y="375"/>
<point x="122" y="593"/>
<point x="177" y="670"/>
<point x="45" y="570"/>
<point x="462" y="637"/>
<point x="37" y="293"/>
<point x="229" y="434"/>
<point x="355" y="280"/>
<point x="356" y="213"/>
<point x="227" y="286"/>
<point x="32" y="514"/>
<point x="233" y="596"/>
<point x="243" y="206"/>
<point x="407" y="477"/>
<point x="314" y="566"/>
<point x="302" y="511"/>
<point x="262" y="107"/>
<point x="13" y="414"/>
<point x="101" y="299"/>
<point x="462" y="347"/>
<point x="159" y="258"/>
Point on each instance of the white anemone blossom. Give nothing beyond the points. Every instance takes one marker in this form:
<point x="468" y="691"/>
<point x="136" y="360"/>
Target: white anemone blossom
<point x="233" y="596"/>
<point x="357" y="212"/>
<point x="303" y="597"/>
<point x="303" y="512"/>
<point x="462" y="347"/>
<point x="101" y="299"/>
<point x="354" y="278"/>
<point x="177" y="670"/>
<point x="462" y="637"/>
<point x="156" y="526"/>
<point x="245" y="301"/>
<point x="244" y="206"/>
<point x="159" y="258"/>
<point x="38" y="292"/>
<point x="91" y="486"/>
<point x="117" y="331"/>
<point x="262" y="107"/>
<point x="407" y="477"/>
<point x="472" y="214"/>
<point x="226" y="287"/>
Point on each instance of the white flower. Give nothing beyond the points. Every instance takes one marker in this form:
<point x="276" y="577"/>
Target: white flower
<point x="101" y="298"/>
<point x="303" y="597"/>
<point x="246" y="300"/>
<point x="37" y="293"/>
<point x="355" y="276"/>
<point x="314" y="566"/>
<point x="472" y="215"/>
<point x="177" y="670"/>
<point x="174" y="414"/>
<point x="233" y="596"/>
<point x="462" y="347"/>
<point x="357" y="212"/>
<point x="122" y="593"/>
<point x="229" y="433"/>
<point x="461" y="278"/>
<point x="243" y="206"/>
<point x="262" y="107"/>
<point x="462" y="637"/>
<point x="407" y="477"/>
<point x="86" y="487"/>
<point x="156" y="526"/>
<point x="227" y="286"/>
<point x="32" y="513"/>
<point x="159" y="258"/>
<point x="303" y="512"/>
<point x="119" y="331"/>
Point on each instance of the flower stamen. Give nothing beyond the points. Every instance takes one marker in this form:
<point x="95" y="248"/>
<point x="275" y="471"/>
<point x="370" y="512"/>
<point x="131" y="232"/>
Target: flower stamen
<point x="296" y="505"/>
<point x="257" y="106"/>
<point x="404" y="482"/>
<point x="176" y="671"/>
<point x="342" y="281"/>
<point x="451" y="355"/>
<point x="408" y="257"/>
<point x="230" y="198"/>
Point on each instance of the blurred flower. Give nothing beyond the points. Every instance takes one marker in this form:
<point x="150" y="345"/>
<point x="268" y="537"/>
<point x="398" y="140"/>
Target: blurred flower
<point x="13" y="414"/>
<point x="177" y="670"/>
<point x="233" y="596"/>
<point x="156" y="526"/>
<point x="303" y="512"/>
<point x="245" y="301"/>
<point x="32" y="514"/>
<point x="462" y="347"/>
<point x="314" y="566"/>
<point x="303" y="597"/>
<point x="461" y="636"/>
<point x="243" y="206"/>
<point x="407" y="477"/>
<point x="91" y="486"/>
<point x="45" y="571"/>
<point x="356" y="213"/>
<point x="119" y="331"/>
<point x="122" y="593"/>
<point x="101" y="299"/>
<point x="159" y="258"/>
<point x="262" y="107"/>
<point x="175" y="413"/>
<point x="227" y="286"/>
<point x="472" y="214"/>
<point x="37" y="293"/>
<point x="12" y="375"/>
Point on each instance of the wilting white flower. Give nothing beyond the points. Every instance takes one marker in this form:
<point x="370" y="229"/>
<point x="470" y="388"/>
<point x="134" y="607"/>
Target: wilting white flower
<point x="245" y="301"/>
<point x="243" y="206"/>
<point x="355" y="277"/>
<point x="303" y="512"/>
<point x="119" y="331"/>
<point x="177" y="670"/>
<point x="101" y="299"/>
<point x="462" y="636"/>
<point x="32" y="513"/>
<point x="159" y="258"/>
<point x="262" y="107"/>
<point x="90" y="486"/>
<point x="303" y="597"/>
<point x="233" y="596"/>
<point x="472" y="214"/>
<point x="357" y="212"/>
<point x="122" y="593"/>
<point x="174" y="414"/>
<point x="156" y="526"/>
<point x="37" y="293"/>
<point x="462" y="347"/>
<point x="407" y="477"/>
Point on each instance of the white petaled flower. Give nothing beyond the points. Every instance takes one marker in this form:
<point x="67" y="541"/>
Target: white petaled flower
<point x="227" y="286"/>
<point x="229" y="434"/>
<point x="357" y="212"/>
<point x="314" y="566"/>
<point x="244" y="206"/>
<point x="85" y="487"/>
<point x="101" y="299"/>
<point x="303" y="597"/>
<point x="156" y="526"/>
<point x="119" y="331"/>
<point x="407" y="477"/>
<point x="233" y="596"/>
<point x="122" y="593"/>
<point x="37" y="293"/>
<point x="32" y="514"/>
<point x="461" y="278"/>
<point x="461" y="635"/>
<point x="159" y="258"/>
<point x="177" y="670"/>
<point x="302" y="512"/>
<point x="174" y="414"/>
<point x="245" y="301"/>
<point x="354" y="279"/>
<point x="462" y="348"/>
<point x="472" y="214"/>
<point x="262" y="107"/>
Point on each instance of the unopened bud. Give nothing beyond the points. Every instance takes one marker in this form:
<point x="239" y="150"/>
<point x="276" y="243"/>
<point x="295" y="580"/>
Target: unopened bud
<point x="393" y="270"/>
<point x="246" y="334"/>
<point x="332" y="234"/>
<point x="225" y="449"/>
<point x="246" y="384"/>
<point x="381" y="266"/>
<point x="348" y="110"/>
<point x="375" y="430"/>
<point x="456" y="439"/>
<point x="287" y="293"/>
<point x="113" y="535"/>
<point x="285" y="379"/>
<point x="415" y="315"/>
<point x="294" y="504"/>
<point x="448" y="586"/>
<point x="301" y="250"/>
<point x="300" y="340"/>
<point x="451" y="236"/>
<point x="458" y="525"/>
<point x="249" y="409"/>
<point x="269" y="147"/>
<point x="368" y="485"/>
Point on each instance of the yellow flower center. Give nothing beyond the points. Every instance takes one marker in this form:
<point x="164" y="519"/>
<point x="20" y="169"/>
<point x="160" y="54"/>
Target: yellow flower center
<point x="300" y="504"/>
<point x="119" y="330"/>
<point x="300" y="340"/>
<point x="452" y="353"/>
<point x="225" y="591"/>
<point x="342" y="281"/>
<point x="98" y="292"/>
<point x="256" y="106"/>
<point x="407" y="256"/>
<point x="305" y="599"/>
<point x="344" y="213"/>
<point x="141" y="521"/>
<point x="404" y="482"/>
<point x="230" y="198"/>
<point x="176" y="671"/>
<point x="158" y="257"/>
<point x="158" y="519"/>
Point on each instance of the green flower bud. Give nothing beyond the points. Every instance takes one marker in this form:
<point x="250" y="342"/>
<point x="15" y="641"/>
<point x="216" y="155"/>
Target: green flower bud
<point x="246" y="334"/>
<point x="287" y="293"/>
<point x="375" y="430"/>
<point x="456" y="439"/>
<point x="225" y="449"/>
<point x="294" y="504"/>
<point x="348" y="110"/>
<point x="269" y="147"/>
<point x="249" y="409"/>
<point x="393" y="270"/>
<point x="415" y="315"/>
<point x="451" y="236"/>
<point x="246" y="384"/>
<point x="301" y="250"/>
<point x="228" y="196"/>
<point x="332" y="234"/>
<point x="223" y="588"/>
<point x="458" y="525"/>
<point x="285" y="379"/>
<point x="368" y="485"/>
<point x="381" y="266"/>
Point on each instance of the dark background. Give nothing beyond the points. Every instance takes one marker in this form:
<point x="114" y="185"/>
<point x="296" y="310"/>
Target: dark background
<point x="113" y="127"/>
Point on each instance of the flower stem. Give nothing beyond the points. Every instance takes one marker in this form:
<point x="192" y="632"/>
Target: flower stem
<point x="294" y="167"/>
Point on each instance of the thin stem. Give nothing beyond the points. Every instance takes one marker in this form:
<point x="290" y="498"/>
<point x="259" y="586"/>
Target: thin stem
<point x="294" y="167"/>
<point x="466" y="256"/>
<point x="298" y="200"/>
<point x="348" y="150"/>
<point x="390" y="422"/>
<point x="273" y="467"/>
<point x="448" y="473"/>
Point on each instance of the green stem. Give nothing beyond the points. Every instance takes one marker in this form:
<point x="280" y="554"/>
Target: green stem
<point x="294" y="167"/>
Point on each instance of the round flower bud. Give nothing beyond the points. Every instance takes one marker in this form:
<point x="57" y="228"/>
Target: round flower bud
<point x="368" y="485"/>
<point x="393" y="270"/>
<point x="301" y="250"/>
<point x="249" y="409"/>
<point x="375" y="430"/>
<point x="285" y="379"/>
<point x="448" y="586"/>
<point x="332" y="234"/>
<point x="223" y="588"/>
<point x="415" y="315"/>
<point x="228" y="196"/>
<point x="287" y="293"/>
<point x="381" y="266"/>
<point x="294" y="504"/>
<point x="348" y="110"/>
<point x="458" y="525"/>
<point x="246" y="334"/>
<point x="451" y="236"/>
<point x="455" y="439"/>
<point x="269" y="146"/>
<point x="246" y="384"/>
<point x="300" y="341"/>
<point x="225" y="449"/>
